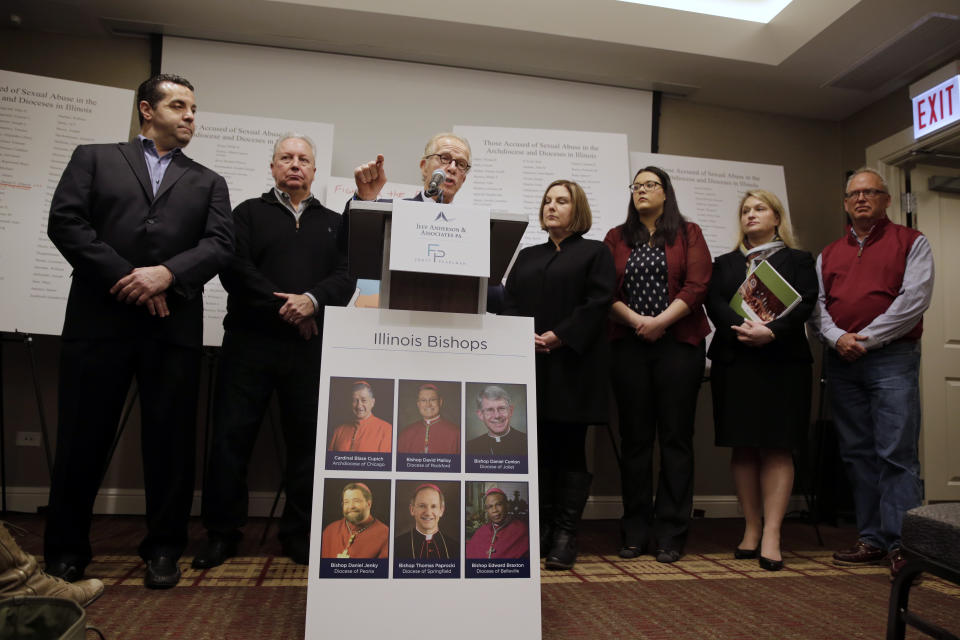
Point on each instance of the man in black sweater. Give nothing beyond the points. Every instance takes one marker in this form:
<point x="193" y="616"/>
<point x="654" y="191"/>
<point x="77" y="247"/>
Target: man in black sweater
<point x="287" y="267"/>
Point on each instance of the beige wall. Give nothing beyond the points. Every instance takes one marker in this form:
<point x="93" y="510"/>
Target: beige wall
<point x="814" y="154"/>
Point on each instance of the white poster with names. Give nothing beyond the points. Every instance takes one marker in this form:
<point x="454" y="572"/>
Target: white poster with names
<point x="240" y="148"/>
<point x="42" y="120"/>
<point x="428" y="237"/>
<point x="709" y="191"/>
<point x="339" y="190"/>
<point x="512" y="168"/>
<point x="425" y="494"/>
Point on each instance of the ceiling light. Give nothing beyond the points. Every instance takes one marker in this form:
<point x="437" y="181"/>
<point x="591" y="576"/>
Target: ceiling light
<point x="752" y="10"/>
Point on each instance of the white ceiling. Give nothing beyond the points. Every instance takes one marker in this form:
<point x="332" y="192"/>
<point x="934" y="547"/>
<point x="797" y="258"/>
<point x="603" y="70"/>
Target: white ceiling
<point x="784" y="66"/>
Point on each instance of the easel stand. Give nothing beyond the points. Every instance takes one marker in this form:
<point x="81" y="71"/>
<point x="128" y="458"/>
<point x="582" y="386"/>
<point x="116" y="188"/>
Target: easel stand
<point x="27" y="340"/>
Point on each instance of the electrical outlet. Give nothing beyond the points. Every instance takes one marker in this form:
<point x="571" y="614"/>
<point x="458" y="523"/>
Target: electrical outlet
<point x="28" y="438"/>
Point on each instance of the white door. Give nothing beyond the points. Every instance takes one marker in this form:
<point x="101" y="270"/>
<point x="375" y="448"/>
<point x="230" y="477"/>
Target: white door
<point x="938" y="216"/>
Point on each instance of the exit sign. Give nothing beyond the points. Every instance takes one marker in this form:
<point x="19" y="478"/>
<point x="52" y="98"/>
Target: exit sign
<point x="936" y="108"/>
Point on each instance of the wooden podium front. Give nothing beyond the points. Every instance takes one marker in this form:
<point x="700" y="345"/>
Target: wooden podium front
<point x="369" y="238"/>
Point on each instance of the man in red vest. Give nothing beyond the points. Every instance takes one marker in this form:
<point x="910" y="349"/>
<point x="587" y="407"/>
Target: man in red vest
<point x="875" y="284"/>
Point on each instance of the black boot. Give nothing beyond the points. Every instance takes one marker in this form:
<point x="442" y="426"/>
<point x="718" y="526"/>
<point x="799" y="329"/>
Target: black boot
<point x="548" y="481"/>
<point x="572" y="498"/>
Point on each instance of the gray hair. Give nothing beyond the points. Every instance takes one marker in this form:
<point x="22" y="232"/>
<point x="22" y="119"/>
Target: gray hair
<point x="299" y="136"/>
<point x="866" y="170"/>
<point x="492" y="392"/>
<point x="431" y="145"/>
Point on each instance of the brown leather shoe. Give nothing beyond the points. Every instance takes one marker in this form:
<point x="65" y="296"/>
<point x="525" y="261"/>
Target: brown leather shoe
<point x="21" y="576"/>
<point x="861" y="554"/>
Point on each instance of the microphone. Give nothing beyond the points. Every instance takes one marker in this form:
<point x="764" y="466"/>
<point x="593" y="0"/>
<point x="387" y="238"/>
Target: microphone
<point x="433" y="187"/>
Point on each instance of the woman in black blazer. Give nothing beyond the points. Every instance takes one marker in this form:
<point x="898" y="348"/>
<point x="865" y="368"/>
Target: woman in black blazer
<point x="761" y="374"/>
<point x="566" y="285"/>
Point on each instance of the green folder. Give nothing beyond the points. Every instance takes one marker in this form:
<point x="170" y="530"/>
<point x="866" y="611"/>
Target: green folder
<point x="764" y="295"/>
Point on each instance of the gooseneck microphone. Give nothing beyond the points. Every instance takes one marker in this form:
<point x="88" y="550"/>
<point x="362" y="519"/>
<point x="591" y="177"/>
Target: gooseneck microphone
<point x="433" y="187"/>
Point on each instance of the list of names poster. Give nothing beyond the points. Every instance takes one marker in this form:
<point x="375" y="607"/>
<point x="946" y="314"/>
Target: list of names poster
<point x="708" y="191"/>
<point x="42" y="120"/>
<point x="512" y="168"/>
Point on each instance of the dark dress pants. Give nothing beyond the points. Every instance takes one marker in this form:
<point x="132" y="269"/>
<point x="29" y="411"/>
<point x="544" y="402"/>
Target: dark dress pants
<point x="95" y="376"/>
<point x="252" y="366"/>
<point x="656" y="386"/>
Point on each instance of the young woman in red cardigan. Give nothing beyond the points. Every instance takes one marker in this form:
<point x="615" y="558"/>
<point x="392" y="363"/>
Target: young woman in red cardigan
<point x="663" y="269"/>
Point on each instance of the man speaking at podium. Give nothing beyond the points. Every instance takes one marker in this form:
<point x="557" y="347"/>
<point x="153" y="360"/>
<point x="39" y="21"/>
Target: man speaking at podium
<point x="144" y="227"/>
<point x="443" y="167"/>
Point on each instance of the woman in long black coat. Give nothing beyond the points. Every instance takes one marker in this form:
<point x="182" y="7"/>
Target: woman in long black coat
<point x="761" y="375"/>
<point x="566" y="285"/>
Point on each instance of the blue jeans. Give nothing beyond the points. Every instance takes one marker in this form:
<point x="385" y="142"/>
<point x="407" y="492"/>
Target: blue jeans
<point x="876" y="407"/>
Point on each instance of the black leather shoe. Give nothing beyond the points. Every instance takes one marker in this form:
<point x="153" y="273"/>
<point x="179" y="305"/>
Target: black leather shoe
<point x="667" y="556"/>
<point x="162" y="572"/>
<point x="745" y="554"/>
<point x="770" y="565"/>
<point x="631" y="552"/>
<point x="214" y="553"/>
<point x="563" y="555"/>
<point x="65" y="570"/>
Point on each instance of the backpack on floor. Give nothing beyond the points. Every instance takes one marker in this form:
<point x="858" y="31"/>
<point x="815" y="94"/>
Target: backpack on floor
<point x="39" y="618"/>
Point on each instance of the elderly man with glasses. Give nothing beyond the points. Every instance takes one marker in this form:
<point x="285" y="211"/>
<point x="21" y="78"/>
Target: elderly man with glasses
<point x="875" y="284"/>
<point x="445" y="152"/>
<point x="443" y="167"/>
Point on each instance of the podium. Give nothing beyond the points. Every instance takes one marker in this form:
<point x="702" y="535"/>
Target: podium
<point x="369" y="258"/>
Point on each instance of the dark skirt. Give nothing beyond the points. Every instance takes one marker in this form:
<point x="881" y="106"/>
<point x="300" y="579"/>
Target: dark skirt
<point x="761" y="404"/>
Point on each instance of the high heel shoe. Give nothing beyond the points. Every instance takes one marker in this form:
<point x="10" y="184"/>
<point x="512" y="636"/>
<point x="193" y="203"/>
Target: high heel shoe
<point x="770" y="565"/>
<point x="745" y="554"/>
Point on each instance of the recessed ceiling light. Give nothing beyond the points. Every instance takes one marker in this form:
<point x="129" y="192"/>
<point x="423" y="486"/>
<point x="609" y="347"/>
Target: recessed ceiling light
<point x="752" y="10"/>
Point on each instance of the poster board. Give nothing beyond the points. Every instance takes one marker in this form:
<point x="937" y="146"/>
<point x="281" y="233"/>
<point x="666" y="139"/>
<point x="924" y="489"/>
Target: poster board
<point x="393" y="354"/>
<point x="42" y="120"/>
<point x="512" y="168"/>
<point x="709" y="191"/>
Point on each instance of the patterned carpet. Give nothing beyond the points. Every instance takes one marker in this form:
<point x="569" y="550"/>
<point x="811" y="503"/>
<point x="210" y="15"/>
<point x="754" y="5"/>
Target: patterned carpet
<point x="707" y="594"/>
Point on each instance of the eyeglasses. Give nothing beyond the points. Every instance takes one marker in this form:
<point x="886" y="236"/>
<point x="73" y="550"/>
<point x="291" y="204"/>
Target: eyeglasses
<point x="867" y="193"/>
<point x="446" y="159"/>
<point x="495" y="411"/>
<point x="649" y="185"/>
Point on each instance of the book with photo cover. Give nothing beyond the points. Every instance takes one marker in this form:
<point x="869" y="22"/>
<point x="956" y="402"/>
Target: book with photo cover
<point x="764" y="295"/>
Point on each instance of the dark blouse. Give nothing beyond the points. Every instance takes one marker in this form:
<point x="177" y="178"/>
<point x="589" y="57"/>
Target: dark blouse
<point x="645" y="280"/>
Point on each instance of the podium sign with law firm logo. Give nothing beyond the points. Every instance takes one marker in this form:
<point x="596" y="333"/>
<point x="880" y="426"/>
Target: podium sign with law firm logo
<point x="438" y="238"/>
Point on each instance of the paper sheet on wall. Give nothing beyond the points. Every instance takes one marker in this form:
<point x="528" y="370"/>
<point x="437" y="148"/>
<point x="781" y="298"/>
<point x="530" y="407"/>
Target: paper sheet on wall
<point x="42" y="120"/>
<point x="339" y="190"/>
<point x="708" y="191"/>
<point x="239" y="148"/>
<point x="512" y="168"/>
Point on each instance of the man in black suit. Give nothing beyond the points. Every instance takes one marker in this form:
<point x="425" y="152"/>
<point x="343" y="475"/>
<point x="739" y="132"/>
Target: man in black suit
<point x="286" y="269"/>
<point x="144" y="227"/>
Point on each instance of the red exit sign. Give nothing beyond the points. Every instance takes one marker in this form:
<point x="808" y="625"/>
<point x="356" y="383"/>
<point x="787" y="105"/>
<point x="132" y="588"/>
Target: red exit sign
<point x="936" y="108"/>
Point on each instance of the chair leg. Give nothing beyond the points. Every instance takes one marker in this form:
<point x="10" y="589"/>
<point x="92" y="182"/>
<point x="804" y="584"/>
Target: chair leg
<point x="899" y="599"/>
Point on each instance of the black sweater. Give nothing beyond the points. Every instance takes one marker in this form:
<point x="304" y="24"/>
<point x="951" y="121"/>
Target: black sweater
<point x="276" y="254"/>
